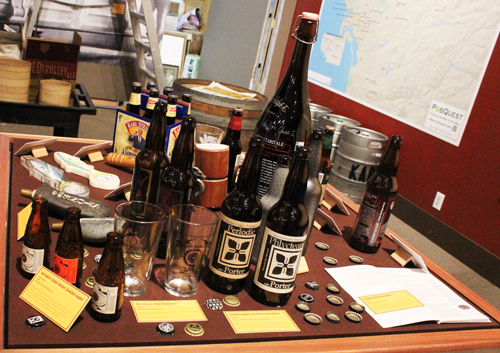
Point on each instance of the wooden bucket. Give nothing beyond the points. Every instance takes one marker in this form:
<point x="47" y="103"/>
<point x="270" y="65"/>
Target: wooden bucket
<point x="214" y="110"/>
<point x="54" y="92"/>
<point x="14" y="80"/>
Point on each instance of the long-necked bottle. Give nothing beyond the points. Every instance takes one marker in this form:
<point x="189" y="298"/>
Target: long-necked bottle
<point x="134" y="102"/>
<point x="172" y="108"/>
<point x="232" y="139"/>
<point x="286" y="120"/>
<point x="178" y="182"/>
<point x="272" y="196"/>
<point x="377" y="202"/>
<point x="187" y="98"/>
<point x="313" y="193"/>
<point x="284" y="236"/>
<point x="239" y="221"/>
<point x="154" y="94"/>
<point x="36" y="240"/>
<point x="151" y="160"/>
<point x="107" y="295"/>
<point x="68" y="257"/>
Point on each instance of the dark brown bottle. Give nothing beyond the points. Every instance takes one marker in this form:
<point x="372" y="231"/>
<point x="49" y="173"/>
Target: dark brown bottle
<point x="151" y="84"/>
<point x="151" y="160"/>
<point x="36" y="240"/>
<point x="187" y="98"/>
<point x="107" y="296"/>
<point x="240" y="218"/>
<point x="377" y="202"/>
<point x="172" y="108"/>
<point x="68" y="257"/>
<point x="154" y="95"/>
<point x="326" y="162"/>
<point x="232" y="139"/>
<point x="167" y="90"/>
<point x="134" y="103"/>
<point x="286" y="120"/>
<point x="284" y="237"/>
<point x="178" y="183"/>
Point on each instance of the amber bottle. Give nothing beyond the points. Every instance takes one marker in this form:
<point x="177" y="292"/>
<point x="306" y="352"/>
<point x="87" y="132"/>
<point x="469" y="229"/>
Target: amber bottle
<point x="151" y="160"/>
<point x="232" y="139"/>
<point x="284" y="236"/>
<point x="172" y="108"/>
<point x="107" y="296"/>
<point x="37" y="240"/>
<point x="134" y="103"/>
<point x="154" y="94"/>
<point x="68" y="257"/>
<point x="240" y="219"/>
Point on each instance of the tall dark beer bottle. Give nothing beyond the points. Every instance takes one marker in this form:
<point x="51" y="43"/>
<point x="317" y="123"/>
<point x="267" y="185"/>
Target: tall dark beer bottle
<point x="172" y="108"/>
<point x="232" y="139"/>
<point x="377" y="202"/>
<point x="240" y="219"/>
<point x="286" y="120"/>
<point x="154" y="94"/>
<point x="151" y="160"/>
<point x="68" y="257"/>
<point x="37" y="240"/>
<point x="187" y="98"/>
<point x="134" y="103"/>
<point x="107" y="296"/>
<point x="284" y="236"/>
<point x="178" y="182"/>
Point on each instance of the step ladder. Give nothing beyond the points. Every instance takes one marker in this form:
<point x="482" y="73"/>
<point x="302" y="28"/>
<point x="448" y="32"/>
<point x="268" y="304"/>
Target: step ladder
<point x="142" y="48"/>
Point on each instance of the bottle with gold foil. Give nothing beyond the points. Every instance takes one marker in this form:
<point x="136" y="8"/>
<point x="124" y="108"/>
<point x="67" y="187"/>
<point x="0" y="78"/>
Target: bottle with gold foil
<point x="37" y="240"/>
<point x="107" y="296"/>
<point x="154" y="94"/>
<point x="134" y="102"/>
<point x="151" y="160"/>
<point x="240" y="219"/>
<point x="68" y="257"/>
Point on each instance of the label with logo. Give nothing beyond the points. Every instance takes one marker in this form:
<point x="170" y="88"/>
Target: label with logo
<point x="66" y="268"/>
<point x="232" y="250"/>
<point x="151" y="103"/>
<point x="171" y="110"/>
<point x="104" y="299"/>
<point x="32" y="259"/>
<point x="278" y="262"/>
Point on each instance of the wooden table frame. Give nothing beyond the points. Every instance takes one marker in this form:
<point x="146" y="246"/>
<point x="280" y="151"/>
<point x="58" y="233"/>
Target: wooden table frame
<point x="419" y="342"/>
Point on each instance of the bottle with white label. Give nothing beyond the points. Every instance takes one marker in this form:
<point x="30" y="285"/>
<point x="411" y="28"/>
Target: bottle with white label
<point x="107" y="296"/>
<point x="284" y="236"/>
<point x="37" y="240"/>
<point x="240" y="219"/>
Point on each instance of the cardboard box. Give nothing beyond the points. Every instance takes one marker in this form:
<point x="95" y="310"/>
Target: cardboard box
<point x="51" y="59"/>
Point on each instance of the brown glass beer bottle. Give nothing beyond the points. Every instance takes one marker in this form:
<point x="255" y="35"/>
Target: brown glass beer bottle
<point x="232" y="139"/>
<point x="154" y="94"/>
<point x="134" y="102"/>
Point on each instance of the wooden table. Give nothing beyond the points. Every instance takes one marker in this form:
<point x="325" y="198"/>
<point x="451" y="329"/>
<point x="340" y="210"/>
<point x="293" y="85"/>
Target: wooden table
<point x="439" y="341"/>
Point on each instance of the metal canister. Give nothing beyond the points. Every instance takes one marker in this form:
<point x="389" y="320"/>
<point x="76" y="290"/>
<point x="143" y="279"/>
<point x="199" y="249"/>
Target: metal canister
<point x="316" y="111"/>
<point x="337" y="121"/>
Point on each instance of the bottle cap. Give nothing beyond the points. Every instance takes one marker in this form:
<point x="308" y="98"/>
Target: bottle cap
<point x="322" y="246"/>
<point x="85" y="252"/>
<point x="332" y="317"/>
<point x="353" y="316"/>
<point x="357" y="307"/>
<point x="310" y="16"/>
<point x="330" y="260"/>
<point x="303" y="307"/>
<point x="312" y="285"/>
<point x="332" y="288"/>
<point x="97" y="258"/>
<point x="35" y="322"/>
<point x="90" y="282"/>
<point x="313" y="319"/>
<point x="193" y="329"/>
<point x="306" y="298"/>
<point x="335" y="300"/>
<point x="84" y="265"/>
<point x="165" y="329"/>
<point x="356" y="259"/>
<point x="231" y="300"/>
<point x="213" y="304"/>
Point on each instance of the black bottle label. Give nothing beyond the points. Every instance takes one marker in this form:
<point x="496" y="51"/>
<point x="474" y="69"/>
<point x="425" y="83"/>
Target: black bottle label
<point x="233" y="248"/>
<point x="278" y="262"/>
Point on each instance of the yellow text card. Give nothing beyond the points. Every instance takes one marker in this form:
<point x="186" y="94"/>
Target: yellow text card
<point x="55" y="298"/>
<point x="167" y="310"/>
<point x="391" y="301"/>
<point x="22" y="220"/>
<point x="254" y="321"/>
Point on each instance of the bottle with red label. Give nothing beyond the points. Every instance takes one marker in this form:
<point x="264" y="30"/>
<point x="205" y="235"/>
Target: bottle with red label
<point x="68" y="257"/>
<point x="377" y="202"/>
<point x="232" y="139"/>
<point x="286" y="120"/>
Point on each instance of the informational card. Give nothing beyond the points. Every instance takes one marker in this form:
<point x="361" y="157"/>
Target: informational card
<point x="167" y="310"/>
<point x="22" y="220"/>
<point x="55" y="298"/>
<point x="257" y="321"/>
<point x="391" y="301"/>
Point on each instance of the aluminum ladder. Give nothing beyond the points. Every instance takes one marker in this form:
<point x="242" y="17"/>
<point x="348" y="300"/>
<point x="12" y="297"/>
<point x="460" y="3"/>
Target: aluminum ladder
<point x="142" y="47"/>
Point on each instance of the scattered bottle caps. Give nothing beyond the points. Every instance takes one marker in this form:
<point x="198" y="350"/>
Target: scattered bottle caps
<point x="333" y="288"/>
<point x="356" y="259"/>
<point x="313" y="319"/>
<point x="312" y="285"/>
<point x="165" y="329"/>
<point x="213" y="304"/>
<point x="353" y="316"/>
<point x="90" y="282"/>
<point x="303" y="307"/>
<point x="330" y="260"/>
<point x="193" y="329"/>
<point x="35" y="322"/>
<point x="306" y="298"/>
<point x="335" y="300"/>
<point x="231" y="300"/>
<point x="332" y="317"/>
<point x="322" y="246"/>
<point x="357" y="307"/>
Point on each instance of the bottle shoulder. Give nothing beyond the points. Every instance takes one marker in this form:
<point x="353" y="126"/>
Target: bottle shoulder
<point x="241" y="207"/>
